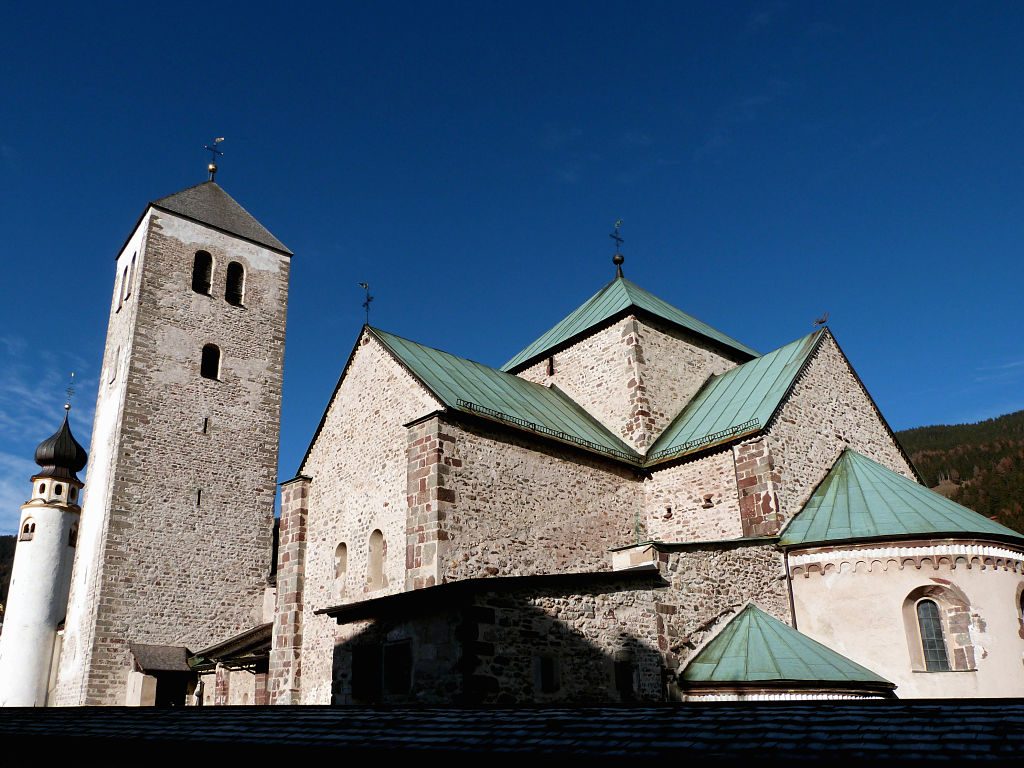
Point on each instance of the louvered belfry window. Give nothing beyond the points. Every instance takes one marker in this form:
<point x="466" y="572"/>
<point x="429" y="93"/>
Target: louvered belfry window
<point x="932" y="642"/>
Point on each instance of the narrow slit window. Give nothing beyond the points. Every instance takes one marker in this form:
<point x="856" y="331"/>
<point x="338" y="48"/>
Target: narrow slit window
<point x="932" y="642"/>
<point x="375" y="567"/>
<point x="131" y="277"/>
<point x="235" y="287"/>
<point x="340" y="567"/>
<point x="206" y="424"/>
<point x="120" y="291"/>
<point x="202" y="272"/>
<point x="209" y="367"/>
<point x="199" y="496"/>
<point x="73" y="536"/>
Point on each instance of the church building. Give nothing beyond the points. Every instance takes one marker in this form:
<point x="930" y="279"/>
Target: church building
<point x="636" y="507"/>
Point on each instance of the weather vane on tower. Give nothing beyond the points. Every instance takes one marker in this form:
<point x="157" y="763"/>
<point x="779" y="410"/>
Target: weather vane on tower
<point x="366" y="303"/>
<point x="618" y="258"/>
<point x="214" y="152"/>
<point x="70" y="392"/>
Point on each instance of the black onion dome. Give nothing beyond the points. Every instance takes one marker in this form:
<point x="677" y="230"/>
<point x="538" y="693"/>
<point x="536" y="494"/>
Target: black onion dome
<point x="60" y="455"/>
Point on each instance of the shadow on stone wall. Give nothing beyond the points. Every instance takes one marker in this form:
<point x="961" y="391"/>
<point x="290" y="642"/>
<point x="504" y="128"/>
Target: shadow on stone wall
<point x="565" y="639"/>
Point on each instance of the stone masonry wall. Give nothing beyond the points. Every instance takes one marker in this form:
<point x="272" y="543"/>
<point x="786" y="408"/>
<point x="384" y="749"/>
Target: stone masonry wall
<point x="827" y="411"/>
<point x="286" y="645"/>
<point x="587" y="632"/>
<point x="676" y="365"/>
<point x="488" y="648"/>
<point x="634" y="376"/>
<point x="709" y="585"/>
<point x="520" y="506"/>
<point x="358" y="467"/>
<point x="87" y="573"/>
<point x="594" y="372"/>
<point x="166" y="553"/>
<point x="694" y="501"/>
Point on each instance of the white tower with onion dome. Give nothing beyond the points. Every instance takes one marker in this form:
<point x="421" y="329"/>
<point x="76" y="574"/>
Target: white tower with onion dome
<point x="41" y="579"/>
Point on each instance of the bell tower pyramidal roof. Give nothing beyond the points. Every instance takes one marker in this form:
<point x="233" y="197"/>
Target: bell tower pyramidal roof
<point x="207" y="203"/>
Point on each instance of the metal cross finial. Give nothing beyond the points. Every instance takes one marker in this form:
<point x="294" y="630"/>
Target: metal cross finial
<point x="214" y="152"/>
<point x="70" y="392"/>
<point x="366" y="303"/>
<point x="618" y="258"/>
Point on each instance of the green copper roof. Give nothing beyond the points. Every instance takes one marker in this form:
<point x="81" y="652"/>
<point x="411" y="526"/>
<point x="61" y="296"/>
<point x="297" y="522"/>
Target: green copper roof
<point x="619" y="295"/>
<point x="861" y="499"/>
<point x="463" y="385"/>
<point x="757" y="648"/>
<point x="739" y="401"/>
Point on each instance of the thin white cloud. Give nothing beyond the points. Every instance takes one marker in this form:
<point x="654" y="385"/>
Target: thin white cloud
<point x="15" y="488"/>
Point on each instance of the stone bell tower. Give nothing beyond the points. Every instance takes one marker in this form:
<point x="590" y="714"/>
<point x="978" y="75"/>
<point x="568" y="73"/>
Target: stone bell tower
<point x="175" y="544"/>
<point x="38" y="598"/>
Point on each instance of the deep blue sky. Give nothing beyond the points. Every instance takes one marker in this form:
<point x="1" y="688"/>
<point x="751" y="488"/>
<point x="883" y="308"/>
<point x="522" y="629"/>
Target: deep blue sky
<point x="771" y="161"/>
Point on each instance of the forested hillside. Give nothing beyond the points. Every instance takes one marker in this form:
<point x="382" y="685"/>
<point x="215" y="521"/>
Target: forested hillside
<point x="978" y="465"/>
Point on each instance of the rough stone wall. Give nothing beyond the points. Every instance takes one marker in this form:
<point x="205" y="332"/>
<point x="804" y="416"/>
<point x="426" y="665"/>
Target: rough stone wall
<point x="709" y="585"/>
<point x="358" y="467"/>
<point x="827" y="411"/>
<point x="430" y="501"/>
<point x="162" y="547"/>
<point x="286" y="645"/>
<point x="520" y="506"/>
<point x="757" y="481"/>
<point x="586" y="632"/>
<point x="694" y="501"/>
<point x="437" y="647"/>
<point x="676" y="365"/>
<point x="634" y="376"/>
<point x="488" y="649"/>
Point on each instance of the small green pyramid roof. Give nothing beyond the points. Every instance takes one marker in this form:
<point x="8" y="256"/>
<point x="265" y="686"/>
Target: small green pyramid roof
<point x="861" y="499"/>
<point x="741" y="396"/>
<point x="616" y="297"/>
<point x="757" y="648"/>
<point x="471" y="387"/>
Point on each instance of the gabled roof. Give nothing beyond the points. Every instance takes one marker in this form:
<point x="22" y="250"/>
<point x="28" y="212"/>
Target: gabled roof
<point x="737" y="402"/>
<point x="757" y="648"/>
<point x="463" y="385"/>
<point x="208" y="204"/>
<point x="619" y="296"/>
<point x="861" y="499"/>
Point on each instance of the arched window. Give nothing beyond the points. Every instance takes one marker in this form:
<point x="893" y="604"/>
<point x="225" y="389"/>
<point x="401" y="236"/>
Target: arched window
<point x="73" y="494"/>
<point x="58" y="489"/>
<point x="42" y="489"/>
<point x="73" y="536"/>
<point x="131" y="277"/>
<point x="209" y="368"/>
<point x="236" y="284"/>
<point x="933" y="645"/>
<point x="202" y="272"/>
<point x="28" y="529"/>
<point x="375" y="578"/>
<point x="340" y="568"/>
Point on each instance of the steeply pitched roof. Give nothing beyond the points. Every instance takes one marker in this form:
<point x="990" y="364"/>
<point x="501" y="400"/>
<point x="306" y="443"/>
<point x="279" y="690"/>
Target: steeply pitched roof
<point x="737" y="402"/>
<point x="861" y="499"/>
<point x="463" y="385"/>
<point x="208" y="204"/>
<point x="757" y="648"/>
<point x="617" y="297"/>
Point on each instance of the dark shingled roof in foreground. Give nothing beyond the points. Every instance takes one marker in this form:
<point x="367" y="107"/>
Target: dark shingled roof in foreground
<point x="818" y="733"/>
